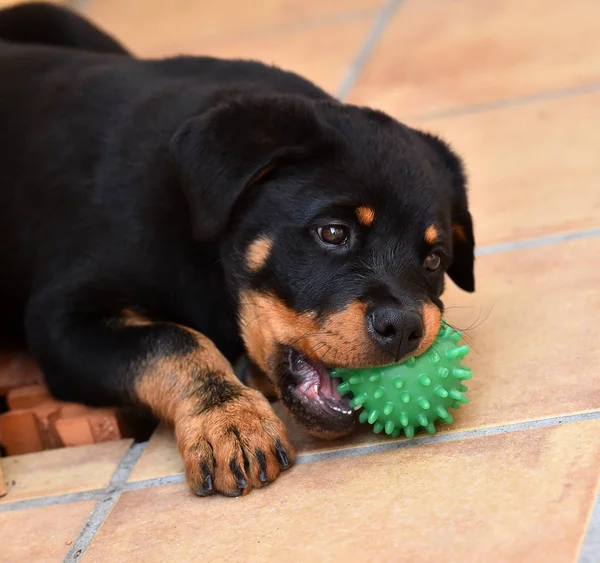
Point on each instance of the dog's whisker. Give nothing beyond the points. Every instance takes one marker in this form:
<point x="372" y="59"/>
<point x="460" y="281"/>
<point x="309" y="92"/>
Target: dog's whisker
<point x="307" y="335"/>
<point x="476" y="323"/>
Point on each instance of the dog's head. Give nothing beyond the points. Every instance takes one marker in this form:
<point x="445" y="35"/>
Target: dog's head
<point x="336" y="225"/>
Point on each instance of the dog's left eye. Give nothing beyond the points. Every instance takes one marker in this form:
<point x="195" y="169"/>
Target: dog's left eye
<point x="335" y="235"/>
<point x="433" y="261"/>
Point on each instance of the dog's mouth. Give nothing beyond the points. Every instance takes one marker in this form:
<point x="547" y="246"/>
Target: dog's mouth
<point x="315" y="389"/>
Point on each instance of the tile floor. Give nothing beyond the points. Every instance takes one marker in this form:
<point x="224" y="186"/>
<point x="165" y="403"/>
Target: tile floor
<point x="515" y="85"/>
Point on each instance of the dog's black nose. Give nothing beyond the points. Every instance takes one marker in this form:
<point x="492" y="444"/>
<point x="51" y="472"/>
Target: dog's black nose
<point x="395" y="331"/>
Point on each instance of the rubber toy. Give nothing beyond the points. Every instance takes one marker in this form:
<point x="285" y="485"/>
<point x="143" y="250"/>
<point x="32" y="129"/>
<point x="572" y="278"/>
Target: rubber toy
<point x="413" y="394"/>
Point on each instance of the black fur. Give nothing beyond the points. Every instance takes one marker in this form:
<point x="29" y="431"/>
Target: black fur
<point x="45" y="24"/>
<point x="138" y="184"/>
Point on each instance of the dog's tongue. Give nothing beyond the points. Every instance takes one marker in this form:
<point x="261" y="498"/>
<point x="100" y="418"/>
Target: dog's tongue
<point x="328" y="386"/>
<point x="316" y="380"/>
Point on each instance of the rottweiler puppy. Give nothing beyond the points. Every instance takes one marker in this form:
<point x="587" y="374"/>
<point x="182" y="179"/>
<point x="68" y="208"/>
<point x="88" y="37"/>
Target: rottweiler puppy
<point x="160" y="218"/>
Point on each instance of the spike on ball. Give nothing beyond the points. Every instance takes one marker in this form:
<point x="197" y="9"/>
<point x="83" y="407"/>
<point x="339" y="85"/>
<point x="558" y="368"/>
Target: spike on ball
<point x="373" y="416"/>
<point x="424" y="380"/>
<point x="423" y="403"/>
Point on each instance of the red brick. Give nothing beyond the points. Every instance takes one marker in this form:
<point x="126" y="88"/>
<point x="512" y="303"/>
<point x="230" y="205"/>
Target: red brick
<point x="74" y="431"/>
<point x="73" y="409"/>
<point x="46" y="414"/>
<point x="20" y="432"/>
<point x="27" y="397"/>
<point x="105" y="425"/>
<point x="89" y="427"/>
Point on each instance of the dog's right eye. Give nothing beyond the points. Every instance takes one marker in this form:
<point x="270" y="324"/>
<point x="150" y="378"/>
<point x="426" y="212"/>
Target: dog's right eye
<point x="335" y="235"/>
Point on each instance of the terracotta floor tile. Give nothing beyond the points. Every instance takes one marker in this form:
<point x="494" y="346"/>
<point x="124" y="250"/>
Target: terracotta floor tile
<point x="160" y="458"/>
<point x="66" y="470"/>
<point x="151" y="28"/>
<point x="524" y="496"/>
<point x="441" y="54"/>
<point x="534" y="170"/>
<point x="41" y="535"/>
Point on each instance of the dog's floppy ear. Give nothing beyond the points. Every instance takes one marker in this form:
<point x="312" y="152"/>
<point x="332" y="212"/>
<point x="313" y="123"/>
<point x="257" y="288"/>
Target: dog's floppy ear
<point x="463" y="239"/>
<point x="221" y="153"/>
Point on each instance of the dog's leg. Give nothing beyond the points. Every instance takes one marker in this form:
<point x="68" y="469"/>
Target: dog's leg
<point x="230" y="438"/>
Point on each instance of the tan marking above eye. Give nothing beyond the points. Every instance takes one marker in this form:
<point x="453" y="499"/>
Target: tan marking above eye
<point x="458" y="232"/>
<point x="431" y="234"/>
<point x="258" y="253"/>
<point x="262" y="173"/>
<point x="366" y="215"/>
<point x="130" y="318"/>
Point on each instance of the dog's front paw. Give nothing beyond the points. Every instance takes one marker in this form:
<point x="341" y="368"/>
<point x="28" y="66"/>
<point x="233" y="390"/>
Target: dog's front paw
<point x="233" y="447"/>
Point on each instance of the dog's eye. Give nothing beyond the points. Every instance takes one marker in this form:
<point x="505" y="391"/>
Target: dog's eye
<point x="433" y="261"/>
<point x="333" y="234"/>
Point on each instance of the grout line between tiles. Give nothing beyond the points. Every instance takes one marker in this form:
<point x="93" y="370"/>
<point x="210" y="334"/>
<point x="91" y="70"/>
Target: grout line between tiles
<point x="155" y="482"/>
<point x="447" y="437"/>
<point x="590" y="548"/>
<point x="533" y="242"/>
<point x="543" y="96"/>
<point x="126" y="465"/>
<point x="92" y="525"/>
<point x="67" y="498"/>
<point x="367" y="48"/>
<point x="355" y="451"/>
<point x="112" y="494"/>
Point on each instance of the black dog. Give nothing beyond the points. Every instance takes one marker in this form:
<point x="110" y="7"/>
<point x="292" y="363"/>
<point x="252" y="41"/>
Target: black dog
<point x="161" y="218"/>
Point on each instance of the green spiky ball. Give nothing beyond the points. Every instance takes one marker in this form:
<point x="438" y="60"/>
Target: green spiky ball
<point x="414" y="394"/>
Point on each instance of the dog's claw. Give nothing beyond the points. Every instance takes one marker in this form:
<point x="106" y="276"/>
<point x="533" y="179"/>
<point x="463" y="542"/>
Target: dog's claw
<point x="207" y="483"/>
<point x="262" y="467"/>
<point x="237" y="473"/>
<point x="281" y="455"/>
